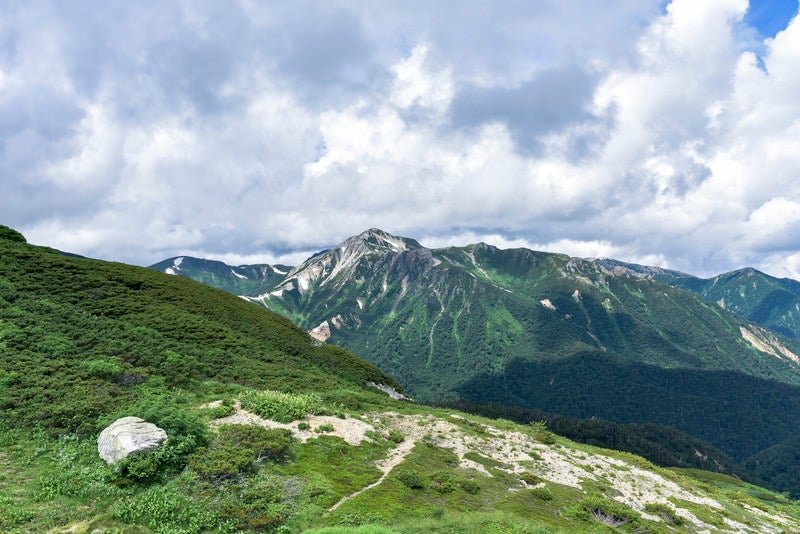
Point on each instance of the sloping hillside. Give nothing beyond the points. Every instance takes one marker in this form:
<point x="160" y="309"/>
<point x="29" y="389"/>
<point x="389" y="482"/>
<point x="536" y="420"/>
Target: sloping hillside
<point x="92" y="334"/>
<point x="765" y="300"/>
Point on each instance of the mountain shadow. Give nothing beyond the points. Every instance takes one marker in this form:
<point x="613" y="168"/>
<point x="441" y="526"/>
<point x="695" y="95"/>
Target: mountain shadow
<point x="741" y="415"/>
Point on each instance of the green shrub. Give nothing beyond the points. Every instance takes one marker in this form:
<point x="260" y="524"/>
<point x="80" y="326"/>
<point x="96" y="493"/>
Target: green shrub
<point x="396" y="436"/>
<point x="327" y="427"/>
<point x="411" y="479"/>
<point x="218" y="412"/>
<point x="107" y="369"/>
<point x="163" y="411"/>
<point x="542" y="493"/>
<point x="148" y="465"/>
<point x="530" y="478"/>
<point x="665" y="512"/>
<point x="281" y="407"/>
<point x="8" y="378"/>
<point x="469" y="486"/>
<point x="443" y="482"/>
<point x="302" y="425"/>
<point x="236" y="448"/>
<point x="9" y="234"/>
<point x="541" y="433"/>
<point x="179" y="369"/>
<point x="608" y="512"/>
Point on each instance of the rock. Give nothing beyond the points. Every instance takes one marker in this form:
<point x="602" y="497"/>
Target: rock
<point x="322" y="332"/>
<point x="128" y="435"/>
<point x="396" y="395"/>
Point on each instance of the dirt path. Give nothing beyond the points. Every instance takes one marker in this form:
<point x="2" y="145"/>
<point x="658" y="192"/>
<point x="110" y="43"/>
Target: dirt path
<point x="393" y="458"/>
<point x="353" y="431"/>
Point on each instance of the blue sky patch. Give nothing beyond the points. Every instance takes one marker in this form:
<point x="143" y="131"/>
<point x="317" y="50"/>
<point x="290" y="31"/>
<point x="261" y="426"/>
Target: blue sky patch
<point x="769" y="17"/>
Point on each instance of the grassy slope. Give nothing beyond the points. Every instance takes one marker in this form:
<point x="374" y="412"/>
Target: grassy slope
<point x="80" y="338"/>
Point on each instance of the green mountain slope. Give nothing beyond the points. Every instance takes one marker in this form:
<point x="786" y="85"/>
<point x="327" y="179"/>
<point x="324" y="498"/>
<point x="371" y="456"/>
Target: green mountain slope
<point x="434" y="317"/>
<point x="765" y="300"/>
<point x="96" y="331"/>
<point x="83" y="342"/>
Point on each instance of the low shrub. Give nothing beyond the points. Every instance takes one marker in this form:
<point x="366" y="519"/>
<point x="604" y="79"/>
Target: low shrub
<point x="396" y="436"/>
<point x="469" y="486"/>
<point x="530" y="478"/>
<point x="282" y="407"/>
<point x="543" y="494"/>
<point x="148" y="465"/>
<point x="218" y="412"/>
<point x="541" y="433"/>
<point x="608" y="512"/>
<point x="107" y="369"/>
<point x="665" y="512"/>
<point x="443" y="482"/>
<point x="411" y="479"/>
<point x="238" y="447"/>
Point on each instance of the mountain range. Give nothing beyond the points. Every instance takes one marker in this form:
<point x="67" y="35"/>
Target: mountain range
<point x="715" y="358"/>
<point x="270" y="432"/>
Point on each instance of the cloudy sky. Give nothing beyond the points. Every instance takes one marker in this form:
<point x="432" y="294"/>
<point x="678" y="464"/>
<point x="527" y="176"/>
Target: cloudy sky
<point x="257" y="131"/>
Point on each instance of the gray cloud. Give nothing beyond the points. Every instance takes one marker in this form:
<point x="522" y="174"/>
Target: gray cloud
<point x="551" y="101"/>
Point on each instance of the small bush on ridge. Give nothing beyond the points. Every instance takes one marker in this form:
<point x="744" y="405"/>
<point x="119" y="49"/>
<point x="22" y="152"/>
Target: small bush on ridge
<point x="281" y="407"/>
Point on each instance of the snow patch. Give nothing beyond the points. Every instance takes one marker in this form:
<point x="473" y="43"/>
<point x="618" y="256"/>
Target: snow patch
<point x="264" y="296"/>
<point x="239" y="276"/>
<point x="278" y="271"/>
<point x="170" y="270"/>
<point x="360" y="304"/>
<point x="395" y="243"/>
<point x="177" y="262"/>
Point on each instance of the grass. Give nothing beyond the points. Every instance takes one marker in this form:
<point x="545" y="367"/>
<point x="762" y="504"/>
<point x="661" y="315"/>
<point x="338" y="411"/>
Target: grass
<point x="344" y="468"/>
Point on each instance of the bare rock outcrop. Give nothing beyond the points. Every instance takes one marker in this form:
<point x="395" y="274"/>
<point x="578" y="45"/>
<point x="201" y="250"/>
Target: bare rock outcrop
<point x="322" y="332"/>
<point x="128" y="435"/>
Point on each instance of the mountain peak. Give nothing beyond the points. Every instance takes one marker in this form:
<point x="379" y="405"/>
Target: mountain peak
<point x="377" y="239"/>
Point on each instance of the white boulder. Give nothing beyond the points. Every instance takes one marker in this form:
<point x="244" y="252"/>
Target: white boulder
<point x="128" y="435"/>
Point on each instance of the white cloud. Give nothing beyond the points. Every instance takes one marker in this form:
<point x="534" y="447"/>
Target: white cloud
<point x="259" y="130"/>
<point x="416" y="83"/>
